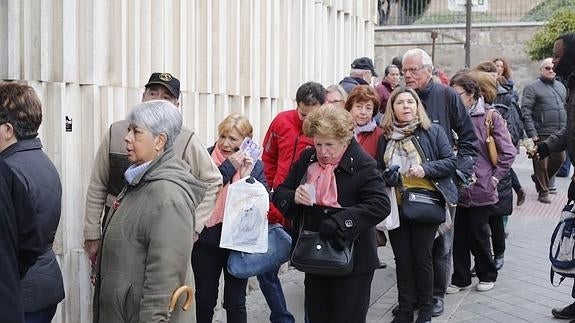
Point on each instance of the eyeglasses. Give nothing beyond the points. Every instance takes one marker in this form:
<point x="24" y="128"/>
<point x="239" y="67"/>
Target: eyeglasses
<point x="548" y="68"/>
<point x="412" y="70"/>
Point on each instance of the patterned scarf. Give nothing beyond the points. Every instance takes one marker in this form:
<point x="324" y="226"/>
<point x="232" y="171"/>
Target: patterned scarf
<point x="400" y="149"/>
<point x="218" y="212"/>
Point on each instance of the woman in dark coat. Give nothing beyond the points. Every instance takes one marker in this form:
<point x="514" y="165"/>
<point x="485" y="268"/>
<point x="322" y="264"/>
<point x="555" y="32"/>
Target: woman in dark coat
<point x="349" y="201"/>
<point x="21" y="115"/>
<point x="413" y="153"/>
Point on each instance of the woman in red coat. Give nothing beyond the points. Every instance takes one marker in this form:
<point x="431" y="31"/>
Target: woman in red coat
<point x="363" y="103"/>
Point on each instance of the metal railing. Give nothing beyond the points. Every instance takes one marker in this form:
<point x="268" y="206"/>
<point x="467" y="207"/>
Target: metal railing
<point x="433" y="12"/>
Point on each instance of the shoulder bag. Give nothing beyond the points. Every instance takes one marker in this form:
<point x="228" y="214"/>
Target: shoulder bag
<point x="312" y="255"/>
<point x="420" y="205"/>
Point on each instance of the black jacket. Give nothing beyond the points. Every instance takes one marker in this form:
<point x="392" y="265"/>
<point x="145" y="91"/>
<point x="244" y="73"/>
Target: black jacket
<point x="19" y="242"/>
<point x="444" y="107"/>
<point x="439" y="160"/>
<point x="359" y="191"/>
<point x="43" y="285"/>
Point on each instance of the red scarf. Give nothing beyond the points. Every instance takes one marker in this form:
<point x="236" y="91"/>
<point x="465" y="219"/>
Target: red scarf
<point x="218" y="212"/>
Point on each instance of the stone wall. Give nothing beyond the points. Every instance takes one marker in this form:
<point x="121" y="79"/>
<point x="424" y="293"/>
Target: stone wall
<point x="89" y="61"/>
<point x="487" y="41"/>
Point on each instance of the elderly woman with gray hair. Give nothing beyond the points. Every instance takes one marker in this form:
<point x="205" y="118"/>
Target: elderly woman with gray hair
<point x="147" y="238"/>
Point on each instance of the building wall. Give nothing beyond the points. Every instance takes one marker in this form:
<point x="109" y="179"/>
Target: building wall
<point x="487" y="41"/>
<point x="89" y="61"/>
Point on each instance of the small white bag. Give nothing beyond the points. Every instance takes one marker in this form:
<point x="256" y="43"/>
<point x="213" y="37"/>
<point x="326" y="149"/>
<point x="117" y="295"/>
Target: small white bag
<point x="245" y="224"/>
<point x="392" y="220"/>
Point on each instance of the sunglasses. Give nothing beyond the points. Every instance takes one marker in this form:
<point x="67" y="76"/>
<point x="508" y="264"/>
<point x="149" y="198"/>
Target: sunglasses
<point x="548" y="68"/>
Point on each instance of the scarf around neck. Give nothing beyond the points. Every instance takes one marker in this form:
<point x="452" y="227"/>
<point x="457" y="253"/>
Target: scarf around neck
<point x="400" y="150"/>
<point x="322" y="177"/>
<point x="368" y="127"/>
<point x="218" y="212"/>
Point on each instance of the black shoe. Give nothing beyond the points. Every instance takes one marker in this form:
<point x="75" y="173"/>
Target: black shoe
<point x="437" y="308"/>
<point x="566" y="313"/>
<point x="403" y="318"/>
<point x="521" y="197"/>
<point x="395" y="309"/>
<point x="498" y="262"/>
<point x="423" y="316"/>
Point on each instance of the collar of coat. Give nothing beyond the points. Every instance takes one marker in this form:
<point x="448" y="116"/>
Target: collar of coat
<point x="22" y="145"/>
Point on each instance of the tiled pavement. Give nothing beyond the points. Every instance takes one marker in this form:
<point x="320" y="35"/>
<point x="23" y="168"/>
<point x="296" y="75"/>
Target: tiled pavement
<point x="522" y="292"/>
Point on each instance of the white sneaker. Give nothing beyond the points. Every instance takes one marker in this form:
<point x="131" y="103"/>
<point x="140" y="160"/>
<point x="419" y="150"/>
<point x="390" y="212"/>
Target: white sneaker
<point x="453" y="289"/>
<point x="485" y="286"/>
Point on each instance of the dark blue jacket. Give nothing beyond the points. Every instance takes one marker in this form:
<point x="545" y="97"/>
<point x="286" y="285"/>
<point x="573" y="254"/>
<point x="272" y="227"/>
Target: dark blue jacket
<point x="43" y="285"/>
<point x="439" y="160"/>
<point x="211" y="236"/>
<point x="444" y="107"/>
<point x="19" y="242"/>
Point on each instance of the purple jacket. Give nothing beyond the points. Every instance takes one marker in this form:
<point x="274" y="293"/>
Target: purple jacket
<point x="484" y="190"/>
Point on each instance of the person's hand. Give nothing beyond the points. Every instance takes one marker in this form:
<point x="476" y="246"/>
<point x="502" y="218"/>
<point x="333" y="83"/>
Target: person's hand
<point x="330" y="231"/>
<point x="237" y="159"/>
<point x="302" y="196"/>
<point x="495" y="181"/>
<point x="391" y="176"/>
<point x="416" y="171"/>
<point x="91" y="247"/>
<point x="535" y="139"/>
<point x="246" y="167"/>
<point x="541" y="151"/>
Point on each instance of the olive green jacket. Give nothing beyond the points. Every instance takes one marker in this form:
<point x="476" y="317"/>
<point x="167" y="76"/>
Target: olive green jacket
<point x="147" y="245"/>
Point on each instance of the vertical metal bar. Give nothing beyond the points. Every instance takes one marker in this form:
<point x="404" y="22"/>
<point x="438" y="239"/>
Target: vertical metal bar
<point x="468" y="34"/>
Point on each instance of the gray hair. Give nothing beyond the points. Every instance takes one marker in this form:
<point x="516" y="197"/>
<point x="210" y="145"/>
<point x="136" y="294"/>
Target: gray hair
<point x="546" y="61"/>
<point x="418" y="52"/>
<point x="157" y="116"/>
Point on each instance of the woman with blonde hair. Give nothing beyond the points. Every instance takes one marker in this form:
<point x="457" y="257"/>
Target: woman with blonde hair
<point x="415" y="155"/>
<point x="345" y="204"/>
<point x="208" y="259"/>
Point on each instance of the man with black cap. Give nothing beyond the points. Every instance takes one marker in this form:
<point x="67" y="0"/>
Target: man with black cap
<point x="111" y="162"/>
<point x="362" y="70"/>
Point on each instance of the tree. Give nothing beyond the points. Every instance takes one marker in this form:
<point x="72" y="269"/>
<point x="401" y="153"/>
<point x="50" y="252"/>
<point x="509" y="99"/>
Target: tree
<point x="541" y="45"/>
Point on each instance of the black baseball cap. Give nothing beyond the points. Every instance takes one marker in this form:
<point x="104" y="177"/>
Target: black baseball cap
<point x="167" y="80"/>
<point x="364" y="63"/>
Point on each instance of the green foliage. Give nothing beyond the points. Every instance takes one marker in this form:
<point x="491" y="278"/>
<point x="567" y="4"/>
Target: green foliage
<point x="545" y="10"/>
<point x="457" y="18"/>
<point x="541" y="45"/>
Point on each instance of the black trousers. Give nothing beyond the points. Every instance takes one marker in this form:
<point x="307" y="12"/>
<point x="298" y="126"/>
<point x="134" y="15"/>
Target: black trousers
<point x="472" y="235"/>
<point x="412" y="245"/>
<point x="337" y="299"/>
<point x="208" y="262"/>
<point x="515" y="181"/>
<point x="497" y="235"/>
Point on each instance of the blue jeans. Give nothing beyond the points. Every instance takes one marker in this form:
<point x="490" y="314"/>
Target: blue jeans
<point x="272" y="289"/>
<point x="42" y="316"/>
<point x="442" y="250"/>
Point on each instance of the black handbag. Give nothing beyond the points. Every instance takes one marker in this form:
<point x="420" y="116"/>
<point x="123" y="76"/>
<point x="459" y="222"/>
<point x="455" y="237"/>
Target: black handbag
<point x="420" y="205"/>
<point x="312" y="255"/>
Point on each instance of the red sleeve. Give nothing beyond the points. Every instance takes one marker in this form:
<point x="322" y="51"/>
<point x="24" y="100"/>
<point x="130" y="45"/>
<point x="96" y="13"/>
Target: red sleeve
<point x="270" y="155"/>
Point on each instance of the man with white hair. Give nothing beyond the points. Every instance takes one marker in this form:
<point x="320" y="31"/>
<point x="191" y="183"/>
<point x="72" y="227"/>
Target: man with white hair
<point x="444" y="107"/>
<point x="543" y="109"/>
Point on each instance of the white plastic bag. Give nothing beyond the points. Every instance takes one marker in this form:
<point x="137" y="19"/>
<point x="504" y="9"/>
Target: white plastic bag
<point x="245" y="224"/>
<point x="392" y="220"/>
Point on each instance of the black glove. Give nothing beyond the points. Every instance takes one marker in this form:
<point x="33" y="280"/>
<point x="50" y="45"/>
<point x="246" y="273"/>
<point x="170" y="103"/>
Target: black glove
<point x="571" y="191"/>
<point x="542" y="150"/>
<point x="391" y="176"/>
<point x="329" y="230"/>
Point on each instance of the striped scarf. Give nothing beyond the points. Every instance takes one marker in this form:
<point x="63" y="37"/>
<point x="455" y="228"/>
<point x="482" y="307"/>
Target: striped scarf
<point x="400" y="149"/>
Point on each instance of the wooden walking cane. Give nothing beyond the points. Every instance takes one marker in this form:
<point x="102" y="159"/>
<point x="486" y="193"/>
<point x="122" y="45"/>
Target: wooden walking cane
<point x="176" y="296"/>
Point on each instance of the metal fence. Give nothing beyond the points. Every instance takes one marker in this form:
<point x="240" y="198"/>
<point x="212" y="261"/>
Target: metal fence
<point x="409" y="12"/>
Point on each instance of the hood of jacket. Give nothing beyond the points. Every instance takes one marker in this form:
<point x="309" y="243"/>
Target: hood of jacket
<point x="170" y="168"/>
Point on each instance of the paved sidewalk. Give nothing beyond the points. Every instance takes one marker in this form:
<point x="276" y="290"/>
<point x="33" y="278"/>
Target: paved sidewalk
<point x="522" y="292"/>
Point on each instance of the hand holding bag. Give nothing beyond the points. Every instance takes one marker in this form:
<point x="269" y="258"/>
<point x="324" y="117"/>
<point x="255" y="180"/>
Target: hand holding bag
<point x="490" y="140"/>
<point x="244" y="265"/>
<point x="420" y="205"/>
<point x="314" y="255"/>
